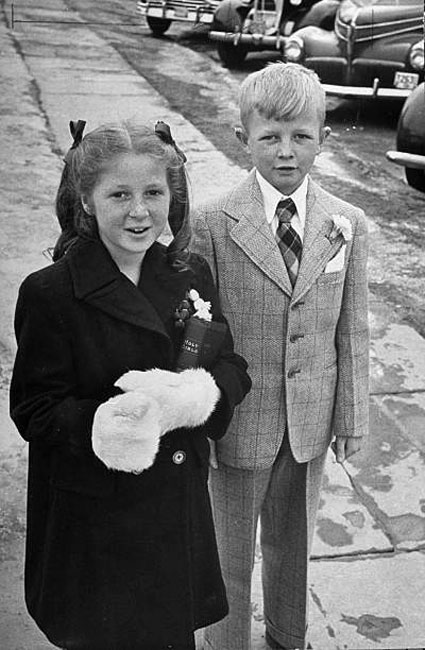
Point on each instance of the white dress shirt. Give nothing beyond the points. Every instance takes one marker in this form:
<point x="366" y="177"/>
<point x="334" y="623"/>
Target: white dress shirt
<point x="272" y="196"/>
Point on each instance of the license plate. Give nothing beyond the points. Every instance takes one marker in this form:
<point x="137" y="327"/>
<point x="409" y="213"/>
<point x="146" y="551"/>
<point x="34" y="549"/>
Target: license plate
<point x="406" y="80"/>
<point x="181" y="12"/>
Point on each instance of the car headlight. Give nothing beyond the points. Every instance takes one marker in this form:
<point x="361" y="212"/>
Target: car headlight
<point x="294" y="49"/>
<point x="416" y="56"/>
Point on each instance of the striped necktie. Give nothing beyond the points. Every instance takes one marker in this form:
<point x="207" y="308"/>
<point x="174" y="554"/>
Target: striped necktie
<point x="288" y="239"/>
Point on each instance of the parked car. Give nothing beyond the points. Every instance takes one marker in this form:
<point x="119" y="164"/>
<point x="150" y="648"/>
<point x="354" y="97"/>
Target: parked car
<point x="359" y="48"/>
<point x="410" y="140"/>
<point x="242" y="26"/>
<point x="160" y="14"/>
<point x="376" y="49"/>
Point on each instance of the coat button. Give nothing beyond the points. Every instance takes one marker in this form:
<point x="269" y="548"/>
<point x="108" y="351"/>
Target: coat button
<point x="179" y="457"/>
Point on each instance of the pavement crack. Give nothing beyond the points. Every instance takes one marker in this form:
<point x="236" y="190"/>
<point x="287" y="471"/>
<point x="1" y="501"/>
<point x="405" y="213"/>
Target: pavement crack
<point x="410" y="391"/>
<point x="34" y="88"/>
<point x="354" y="555"/>
<point x="402" y="429"/>
<point x="370" y="504"/>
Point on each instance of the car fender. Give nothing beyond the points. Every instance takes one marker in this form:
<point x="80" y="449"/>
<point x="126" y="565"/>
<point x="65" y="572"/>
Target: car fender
<point x="411" y="124"/>
<point x="411" y="139"/>
<point x="317" y="41"/>
<point x="322" y="14"/>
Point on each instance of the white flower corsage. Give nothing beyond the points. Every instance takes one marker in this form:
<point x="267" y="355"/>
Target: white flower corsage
<point x="192" y="305"/>
<point x="203" y="337"/>
<point x="202" y="307"/>
<point x="341" y="226"/>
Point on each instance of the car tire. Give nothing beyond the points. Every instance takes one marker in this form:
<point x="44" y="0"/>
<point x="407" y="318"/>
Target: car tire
<point x="416" y="178"/>
<point x="232" y="56"/>
<point x="158" y="26"/>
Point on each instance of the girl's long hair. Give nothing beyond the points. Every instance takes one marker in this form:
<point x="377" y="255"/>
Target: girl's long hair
<point x="85" y="163"/>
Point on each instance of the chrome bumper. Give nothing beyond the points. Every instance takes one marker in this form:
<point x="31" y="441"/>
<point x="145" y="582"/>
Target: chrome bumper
<point x="255" y="41"/>
<point x="416" y="161"/>
<point x="167" y="12"/>
<point x="366" y="92"/>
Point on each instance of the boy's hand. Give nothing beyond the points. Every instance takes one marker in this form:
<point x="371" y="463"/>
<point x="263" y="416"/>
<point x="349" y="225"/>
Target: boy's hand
<point x="343" y="448"/>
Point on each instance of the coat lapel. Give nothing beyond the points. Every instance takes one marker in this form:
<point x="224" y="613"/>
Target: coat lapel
<point x="317" y="248"/>
<point x="163" y="286"/>
<point x="98" y="281"/>
<point x="252" y="233"/>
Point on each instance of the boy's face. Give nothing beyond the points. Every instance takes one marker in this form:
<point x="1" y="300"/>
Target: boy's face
<point x="284" y="151"/>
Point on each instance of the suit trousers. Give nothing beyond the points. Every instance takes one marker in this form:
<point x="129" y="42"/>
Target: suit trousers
<point x="285" y="498"/>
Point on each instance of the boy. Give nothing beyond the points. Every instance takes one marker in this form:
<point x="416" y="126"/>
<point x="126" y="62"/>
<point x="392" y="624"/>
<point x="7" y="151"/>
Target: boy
<point x="290" y="264"/>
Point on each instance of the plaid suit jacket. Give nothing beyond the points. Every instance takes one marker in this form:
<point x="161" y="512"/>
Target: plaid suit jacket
<point x="307" y="347"/>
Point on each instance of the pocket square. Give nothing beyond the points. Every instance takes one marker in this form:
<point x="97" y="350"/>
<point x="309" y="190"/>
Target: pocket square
<point x="336" y="263"/>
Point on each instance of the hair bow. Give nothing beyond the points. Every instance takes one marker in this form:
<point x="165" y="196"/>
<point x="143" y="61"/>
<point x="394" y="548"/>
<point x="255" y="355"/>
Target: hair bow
<point x="163" y="131"/>
<point x="77" y="130"/>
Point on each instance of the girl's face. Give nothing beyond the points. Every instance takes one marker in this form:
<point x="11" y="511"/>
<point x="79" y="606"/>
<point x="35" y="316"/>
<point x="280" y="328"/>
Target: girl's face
<point x="131" y="202"/>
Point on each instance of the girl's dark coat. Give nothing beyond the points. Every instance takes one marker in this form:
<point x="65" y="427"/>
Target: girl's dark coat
<point x="114" y="561"/>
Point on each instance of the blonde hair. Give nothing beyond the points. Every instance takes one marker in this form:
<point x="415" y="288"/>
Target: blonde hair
<point x="281" y="91"/>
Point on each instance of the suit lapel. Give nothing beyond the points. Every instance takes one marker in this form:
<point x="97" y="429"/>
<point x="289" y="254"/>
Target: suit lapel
<point x="253" y="234"/>
<point x="317" y="248"/>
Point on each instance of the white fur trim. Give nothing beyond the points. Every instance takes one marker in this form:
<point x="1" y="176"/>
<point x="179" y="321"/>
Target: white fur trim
<point x="148" y="380"/>
<point x="126" y="432"/>
<point x="186" y="399"/>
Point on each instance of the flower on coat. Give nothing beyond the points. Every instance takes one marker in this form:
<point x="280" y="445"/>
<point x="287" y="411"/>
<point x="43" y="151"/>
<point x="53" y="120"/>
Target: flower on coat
<point x="341" y="226"/>
<point x="203" y="307"/>
<point x="192" y="305"/>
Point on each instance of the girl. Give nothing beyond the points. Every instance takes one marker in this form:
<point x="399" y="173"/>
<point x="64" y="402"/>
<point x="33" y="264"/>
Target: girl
<point x="120" y="549"/>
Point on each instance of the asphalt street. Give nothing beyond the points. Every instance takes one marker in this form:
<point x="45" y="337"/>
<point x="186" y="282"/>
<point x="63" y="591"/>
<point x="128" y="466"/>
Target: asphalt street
<point x="367" y="580"/>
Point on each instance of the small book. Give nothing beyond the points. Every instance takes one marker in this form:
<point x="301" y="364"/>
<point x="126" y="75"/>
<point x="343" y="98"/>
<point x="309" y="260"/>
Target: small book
<point x="201" y="344"/>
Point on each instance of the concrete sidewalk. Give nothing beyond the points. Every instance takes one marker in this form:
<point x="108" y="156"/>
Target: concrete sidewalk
<point x="367" y="577"/>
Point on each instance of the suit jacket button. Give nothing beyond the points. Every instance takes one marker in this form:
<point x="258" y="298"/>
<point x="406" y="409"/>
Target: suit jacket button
<point x="179" y="457"/>
<point x="292" y="373"/>
<point x="295" y="337"/>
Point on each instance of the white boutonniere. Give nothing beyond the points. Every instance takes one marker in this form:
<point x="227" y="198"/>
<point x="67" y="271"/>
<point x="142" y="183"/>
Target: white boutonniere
<point x="340" y="226"/>
<point x="202" y="307"/>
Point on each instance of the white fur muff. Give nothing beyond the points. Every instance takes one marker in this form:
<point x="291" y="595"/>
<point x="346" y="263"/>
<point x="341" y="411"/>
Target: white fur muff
<point x="128" y="427"/>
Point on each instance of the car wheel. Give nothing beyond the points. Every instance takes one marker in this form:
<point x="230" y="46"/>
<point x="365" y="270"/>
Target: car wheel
<point x="158" y="25"/>
<point x="416" y="178"/>
<point x="232" y="56"/>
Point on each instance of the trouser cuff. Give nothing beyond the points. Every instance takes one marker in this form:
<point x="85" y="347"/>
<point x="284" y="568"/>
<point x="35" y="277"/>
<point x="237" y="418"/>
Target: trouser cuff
<point x="288" y="641"/>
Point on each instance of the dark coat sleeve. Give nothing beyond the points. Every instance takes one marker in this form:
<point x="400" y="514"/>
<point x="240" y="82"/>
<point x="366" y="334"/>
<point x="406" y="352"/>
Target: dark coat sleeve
<point x="229" y="369"/>
<point x="43" y="395"/>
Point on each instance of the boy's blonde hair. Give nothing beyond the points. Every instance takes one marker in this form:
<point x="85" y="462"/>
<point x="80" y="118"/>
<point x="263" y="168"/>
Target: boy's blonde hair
<point x="281" y="91"/>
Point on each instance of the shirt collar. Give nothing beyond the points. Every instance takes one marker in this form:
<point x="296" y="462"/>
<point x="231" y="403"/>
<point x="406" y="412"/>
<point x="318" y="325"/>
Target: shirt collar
<point x="272" y="196"/>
